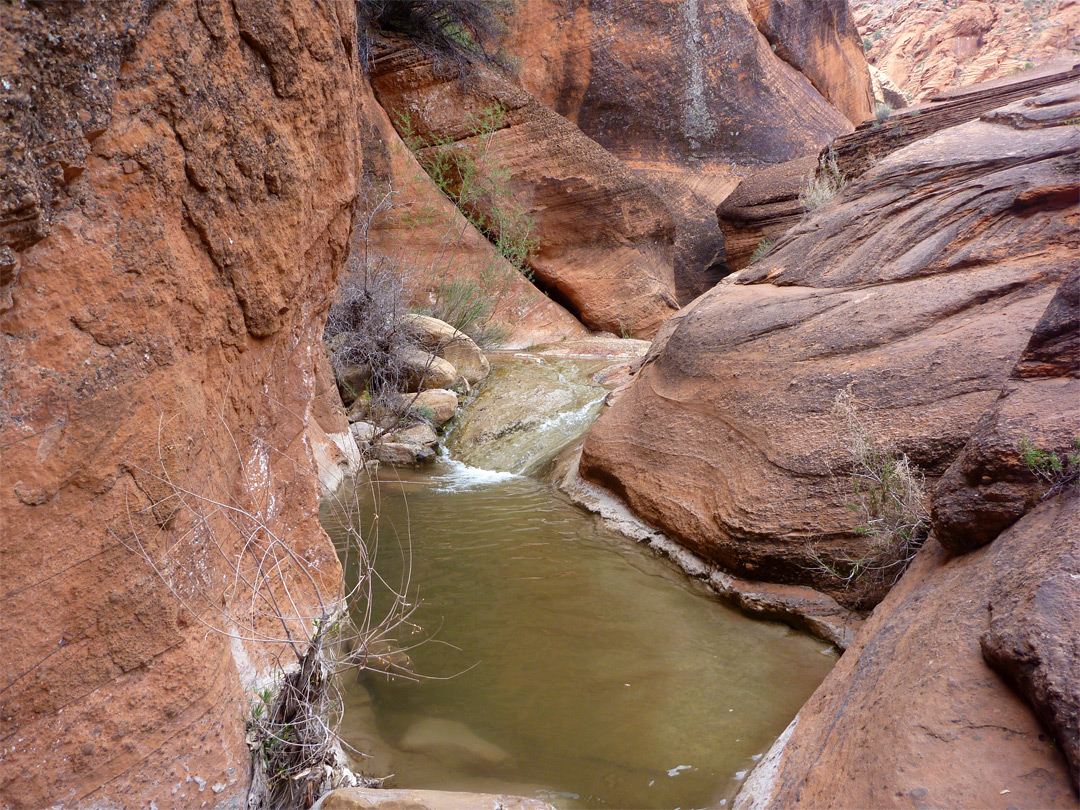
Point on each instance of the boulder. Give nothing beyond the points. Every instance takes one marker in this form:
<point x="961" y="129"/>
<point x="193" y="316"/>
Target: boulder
<point x="368" y="799"/>
<point x="402" y="454"/>
<point x="443" y="404"/>
<point x="762" y="208"/>
<point x="912" y="715"/>
<point x="885" y="90"/>
<point x="364" y="433"/>
<point x="990" y="486"/>
<point x="453" y="345"/>
<point x="727" y="440"/>
<point x="330" y="423"/>
<point x="604" y="237"/>
<point x="409" y="447"/>
<point x="352" y="382"/>
<point x="422" y="370"/>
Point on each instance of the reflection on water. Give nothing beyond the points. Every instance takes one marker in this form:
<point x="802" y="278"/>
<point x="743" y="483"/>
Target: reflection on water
<point x="569" y="663"/>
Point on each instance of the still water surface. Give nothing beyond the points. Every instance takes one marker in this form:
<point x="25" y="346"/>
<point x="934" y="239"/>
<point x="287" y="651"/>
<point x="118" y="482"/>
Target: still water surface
<point x="568" y="663"/>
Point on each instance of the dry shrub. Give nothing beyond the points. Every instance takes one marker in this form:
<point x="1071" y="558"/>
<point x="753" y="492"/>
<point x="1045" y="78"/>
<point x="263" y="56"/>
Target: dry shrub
<point x="227" y="553"/>
<point x="889" y="495"/>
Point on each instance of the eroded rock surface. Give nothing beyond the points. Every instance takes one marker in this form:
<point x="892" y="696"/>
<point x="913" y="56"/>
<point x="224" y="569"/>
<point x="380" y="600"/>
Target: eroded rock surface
<point x="873" y="140"/>
<point x="916" y="288"/>
<point x="177" y="242"/>
<point x="605" y="239"/>
<point x="681" y="91"/>
<point x="406" y="221"/>
<point x="1034" y="634"/>
<point x="762" y="208"/>
<point x="928" y="48"/>
<point x="912" y="716"/>
<point x="989" y="487"/>
<point x="678" y="81"/>
<point x="820" y="40"/>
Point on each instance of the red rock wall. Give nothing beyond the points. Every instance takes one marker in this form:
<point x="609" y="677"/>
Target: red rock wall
<point x="928" y="47"/>
<point x="605" y="239"/>
<point x="672" y="81"/>
<point x="178" y="186"/>
<point x="921" y="300"/>
<point x="429" y="240"/>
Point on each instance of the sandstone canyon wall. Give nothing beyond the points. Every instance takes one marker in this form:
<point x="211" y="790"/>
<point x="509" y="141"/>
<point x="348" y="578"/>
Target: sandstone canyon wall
<point x="426" y="238"/>
<point x="604" y="238"/>
<point x="177" y="189"/>
<point x="918" y="695"/>
<point x="916" y="287"/>
<point x="683" y="92"/>
<point x="928" y="48"/>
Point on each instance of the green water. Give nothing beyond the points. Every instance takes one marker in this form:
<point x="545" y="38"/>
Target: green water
<point x="567" y="663"/>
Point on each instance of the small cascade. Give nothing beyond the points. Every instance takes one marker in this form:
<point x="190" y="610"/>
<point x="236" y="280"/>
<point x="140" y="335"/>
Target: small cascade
<point x="528" y="410"/>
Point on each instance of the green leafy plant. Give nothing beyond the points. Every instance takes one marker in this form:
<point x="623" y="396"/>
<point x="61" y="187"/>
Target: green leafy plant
<point x="764" y="247"/>
<point x="882" y="113"/>
<point x="1059" y="471"/>
<point x="470" y="175"/>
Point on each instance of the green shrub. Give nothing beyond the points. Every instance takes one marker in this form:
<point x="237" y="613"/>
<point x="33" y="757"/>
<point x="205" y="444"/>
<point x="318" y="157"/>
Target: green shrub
<point x="1058" y="470"/>
<point x="764" y="247"/>
<point x="470" y="175"/>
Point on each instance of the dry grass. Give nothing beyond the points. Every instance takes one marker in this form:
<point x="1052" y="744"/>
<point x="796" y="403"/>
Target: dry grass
<point x="888" y="494"/>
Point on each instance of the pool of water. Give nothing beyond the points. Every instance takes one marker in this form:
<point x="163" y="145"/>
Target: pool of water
<point x="563" y="661"/>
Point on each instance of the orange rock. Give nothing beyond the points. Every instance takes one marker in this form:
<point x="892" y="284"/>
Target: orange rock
<point x="912" y="715"/>
<point x="429" y="240"/>
<point x="921" y="300"/>
<point x="672" y="82"/>
<point x="819" y="39"/>
<point x="929" y="48"/>
<point x="680" y="91"/>
<point x="163" y="334"/>
<point x="605" y="239"/>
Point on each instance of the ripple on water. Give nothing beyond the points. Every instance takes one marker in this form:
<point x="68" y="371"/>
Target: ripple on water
<point x="569" y="663"/>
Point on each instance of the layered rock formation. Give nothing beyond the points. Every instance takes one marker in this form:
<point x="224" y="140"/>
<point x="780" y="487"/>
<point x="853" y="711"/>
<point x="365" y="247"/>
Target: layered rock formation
<point x="762" y="208"/>
<point x="406" y="221"/>
<point x="912" y="716"/>
<point x="766" y="203"/>
<point x="915" y="289"/>
<point x="914" y="696"/>
<point x="928" y="48"/>
<point x="178" y="186"/>
<point x="680" y="92"/>
<point x="990" y="485"/>
<point x="604" y="239"/>
<point x="859" y="150"/>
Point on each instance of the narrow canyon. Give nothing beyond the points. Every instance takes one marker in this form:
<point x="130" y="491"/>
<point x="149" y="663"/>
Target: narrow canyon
<point x="539" y="404"/>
